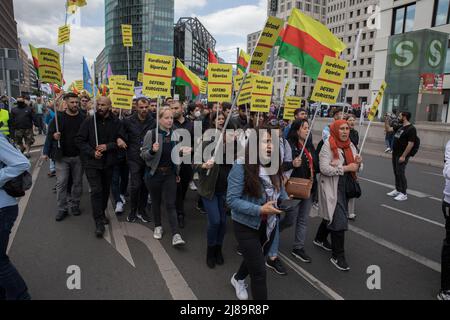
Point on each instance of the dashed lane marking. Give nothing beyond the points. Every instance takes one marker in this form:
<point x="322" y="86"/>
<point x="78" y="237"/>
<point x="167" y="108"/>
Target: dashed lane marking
<point x="413" y="215"/>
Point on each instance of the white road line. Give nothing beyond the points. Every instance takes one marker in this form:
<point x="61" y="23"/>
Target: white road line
<point x="413" y="215"/>
<point x="23" y="204"/>
<point x="433" y="173"/>
<point x="415" y="193"/>
<point x="316" y="283"/>
<point x="437" y="199"/>
<point x="391" y="246"/>
<point x="35" y="151"/>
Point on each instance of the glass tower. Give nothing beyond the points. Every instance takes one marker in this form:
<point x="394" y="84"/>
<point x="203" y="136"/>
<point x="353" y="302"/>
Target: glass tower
<point x="153" y="24"/>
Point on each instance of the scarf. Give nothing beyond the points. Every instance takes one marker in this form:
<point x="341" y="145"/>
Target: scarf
<point x="336" y="144"/>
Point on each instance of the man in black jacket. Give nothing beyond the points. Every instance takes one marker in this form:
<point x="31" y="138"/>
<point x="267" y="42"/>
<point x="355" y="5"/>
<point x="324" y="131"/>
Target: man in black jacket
<point x="67" y="157"/>
<point x="99" y="155"/>
<point x="22" y="126"/>
<point x="133" y="132"/>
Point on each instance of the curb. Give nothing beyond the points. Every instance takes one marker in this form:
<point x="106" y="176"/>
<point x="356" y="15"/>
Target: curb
<point x="431" y="163"/>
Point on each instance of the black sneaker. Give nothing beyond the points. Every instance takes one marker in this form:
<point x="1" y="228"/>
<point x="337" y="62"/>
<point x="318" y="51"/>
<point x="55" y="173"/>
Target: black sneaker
<point x="76" y="211"/>
<point x="131" y="218"/>
<point x="181" y="221"/>
<point x="276" y="266"/>
<point x="340" y="263"/>
<point x="105" y="221"/>
<point x="301" y="254"/>
<point x="238" y="251"/>
<point x="201" y="210"/>
<point x="325" y="245"/>
<point x="61" y="215"/>
<point x="144" y="217"/>
<point x="99" y="229"/>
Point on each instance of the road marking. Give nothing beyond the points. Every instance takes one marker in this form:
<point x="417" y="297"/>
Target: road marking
<point x="415" y="193"/>
<point x="437" y="199"/>
<point x="175" y="282"/>
<point x="400" y="250"/>
<point x="433" y="173"/>
<point x="35" y="151"/>
<point x="23" y="203"/>
<point x="414" y="216"/>
<point x="316" y="283"/>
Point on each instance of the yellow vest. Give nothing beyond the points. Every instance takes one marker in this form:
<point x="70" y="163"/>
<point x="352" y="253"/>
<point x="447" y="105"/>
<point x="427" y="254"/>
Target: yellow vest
<point x="4" y="117"/>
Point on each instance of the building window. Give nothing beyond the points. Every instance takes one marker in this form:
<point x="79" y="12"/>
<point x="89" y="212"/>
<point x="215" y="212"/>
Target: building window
<point x="368" y="74"/>
<point x="350" y="26"/>
<point x="370" y="47"/>
<point x="351" y="86"/>
<point x="289" y="6"/>
<point x="358" y="13"/>
<point x="353" y="74"/>
<point x="354" y="63"/>
<point x="363" y="86"/>
<point x="349" y="39"/>
<point x="351" y="14"/>
<point x="307" y="7"/>
<point x="299" y="5"/>
<point x="372" y="34"/>
<point x="369" y="60"/>
<point x="363" y="48"/>
<point x="441" y="12"/>
<point x="364" y="36"/>
<point x="361" y="74"/>
<point x="403" y="19"/>
<point x="361" y="62"/>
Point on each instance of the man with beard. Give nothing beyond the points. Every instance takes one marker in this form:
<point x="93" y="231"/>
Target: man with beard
<point x="132" y="136"/>
<point x="186" y="172"/>
<point x="99" y="155"/>
<point x="67" y="157"/>
<point x="22" y="125"/>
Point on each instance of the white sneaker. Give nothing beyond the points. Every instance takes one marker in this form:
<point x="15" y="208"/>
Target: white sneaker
<point x="122" y="197"/>
<point x="444" y="295"/>
<point x="119" y="207"/>
<point x="177" y="240"/>
<point x="192" y="186"/>
<point x="240" y="287"/>
<point x="401" y="197"/>
<point x="393" y="193"/>
<point x="387" y="150"/>
<point x="158" y="233"/>
<point x="352" y="216"/>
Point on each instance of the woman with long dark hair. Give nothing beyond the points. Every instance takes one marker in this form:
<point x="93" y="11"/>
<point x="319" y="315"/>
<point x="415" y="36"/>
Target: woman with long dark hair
<point x="254" y="192"/>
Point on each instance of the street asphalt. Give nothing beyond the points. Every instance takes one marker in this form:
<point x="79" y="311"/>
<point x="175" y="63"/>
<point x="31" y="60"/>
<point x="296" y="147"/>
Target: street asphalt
<point x="402" y="239"/>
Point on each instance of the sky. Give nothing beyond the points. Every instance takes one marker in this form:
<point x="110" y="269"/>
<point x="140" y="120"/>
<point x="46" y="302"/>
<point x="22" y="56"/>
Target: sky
<point x="229" y="22"/>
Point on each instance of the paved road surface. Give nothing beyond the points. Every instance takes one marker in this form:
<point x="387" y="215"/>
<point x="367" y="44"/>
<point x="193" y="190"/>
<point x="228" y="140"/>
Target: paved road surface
<point x="402" y="239"/>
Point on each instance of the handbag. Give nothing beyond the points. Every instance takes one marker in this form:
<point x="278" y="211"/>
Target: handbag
<point x="352" y="187"/>
<point x="300" y="188"/>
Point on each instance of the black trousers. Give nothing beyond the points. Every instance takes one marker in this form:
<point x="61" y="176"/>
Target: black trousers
<point x="100" y="183"/>
<point x="337" y="239"/>
<point x="186" y="174"/>
<point x="251" y="243"/>
<point x="138" y="189"/>
<point x="399" y="172"/>
<point x="445" y="258"/>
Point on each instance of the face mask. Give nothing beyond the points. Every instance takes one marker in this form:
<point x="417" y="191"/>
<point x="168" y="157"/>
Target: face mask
<point x="21" y="104"/>
<point x="197" y="114"/>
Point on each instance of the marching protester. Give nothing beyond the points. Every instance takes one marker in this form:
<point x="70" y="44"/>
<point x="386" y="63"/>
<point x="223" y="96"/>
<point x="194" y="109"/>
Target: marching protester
<point x="22" y="126"/>
<point x="84" y="104"/>
<point x="339" y="163"/>
<point x="12" y="165"/>
<point x="39" y="111"/>
<point x="97" y="142"/>
<point x="390" y="125"/>
<point x="299" y="114"/>
<point x="132" y="136"/>
<point x="5" y="122"/>
<point x="67" y="157"/>
<point x="354" y="138"/>
<point x="161" y="175"/>
<point x="212" y="190"/>
<point x="253" y="194"/>
<point x="444" y="293"/>
<point x="119" y="182"/>
<point x="405" y="139"/>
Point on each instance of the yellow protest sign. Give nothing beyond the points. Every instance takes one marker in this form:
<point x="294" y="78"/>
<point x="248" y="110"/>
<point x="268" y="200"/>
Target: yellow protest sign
<point x="49" y="66"/>
<point x="266" y="42"/>
<point x="204" y="87"/>
<point x="220" y="82"/>
<point x="246" y="93"/>
<point x="377" y="101"/>
<point x="329" y="82"/>
<point x="63" y="35"/>
<point x="114" y="79"/>
<point x="78" y="84"/>
<point x="122" y="94"/>
<point x="292" y="102"/>
<point x="261" y="93"/>
<point x="157" y="75"/>
<point x="289" y="114"/>
<point x="140" y="77"/>
<point x="127" y="35"/>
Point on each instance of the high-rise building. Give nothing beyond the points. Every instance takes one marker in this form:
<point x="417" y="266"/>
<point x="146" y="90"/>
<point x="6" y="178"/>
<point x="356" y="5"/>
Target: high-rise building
<point x="281" y="70"/>
<point x="152" y="22"/>
<point x="8" y="26"/>
<point x="345" y="18"/>
<point x="25" y="72"/>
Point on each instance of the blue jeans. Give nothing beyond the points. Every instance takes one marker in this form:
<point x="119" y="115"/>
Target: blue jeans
<point x="119" y="183"/>
<point x="52" y="166"/>
<point x="12" y="286"/>
<point x="217" y="219"/>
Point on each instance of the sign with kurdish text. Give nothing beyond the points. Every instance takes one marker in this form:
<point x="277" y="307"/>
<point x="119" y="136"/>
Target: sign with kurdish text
<point x="140" y="77"/>
<point x="246" y="93"/>
<point x="204" y="87"/>
<point x="289" y="114"/>
<point x="376" y="103"/>
<point x="329" y="82"/>
<point x="114" y="79"/>
<point x="127" y="35"/>
<point x="220" y="82"/>
<point x="292" y="102"/>
<point x="49" y="66"/>
<point x="157" y="75"/>
<point x="266" y="42"/>
<point x="261" y="94"/>
<point x="78" y="84"/>
<point x="63" y="35"/>
<point x="122" y="94"/>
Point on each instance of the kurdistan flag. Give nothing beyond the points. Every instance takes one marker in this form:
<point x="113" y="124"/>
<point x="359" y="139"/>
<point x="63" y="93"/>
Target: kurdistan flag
<point x="185" y="77"/>
<point x="306" y="42"/>
<point x="35" y="55"/>
<point x="243" y="61"/>
<point x="73" y="5"/>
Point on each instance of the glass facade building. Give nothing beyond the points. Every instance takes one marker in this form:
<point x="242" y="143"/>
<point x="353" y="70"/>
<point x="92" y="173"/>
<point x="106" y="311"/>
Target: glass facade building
<point x="153" y="25"/>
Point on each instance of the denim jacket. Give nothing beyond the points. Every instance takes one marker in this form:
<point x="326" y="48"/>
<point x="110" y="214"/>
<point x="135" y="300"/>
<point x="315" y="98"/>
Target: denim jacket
<point x="245" y="209"/>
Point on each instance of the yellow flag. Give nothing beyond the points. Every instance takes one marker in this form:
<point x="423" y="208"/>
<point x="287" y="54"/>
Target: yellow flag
<point x="127" y="35"/>
<point x="63" y="35"/>
<point x="73" y="5"/>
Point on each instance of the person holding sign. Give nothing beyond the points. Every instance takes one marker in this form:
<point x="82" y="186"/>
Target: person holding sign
<point x="99" y="155"/>
<point x="339" y="163"/>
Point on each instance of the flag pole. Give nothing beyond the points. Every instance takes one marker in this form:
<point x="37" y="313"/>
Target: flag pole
<point x="95" y="108"/>
<point x="56" y="115"/>
<point x="319" y="106"/>
<point x="364" y="140"/>
<point x="157" y="116"/>
<point x="128" y="62"/>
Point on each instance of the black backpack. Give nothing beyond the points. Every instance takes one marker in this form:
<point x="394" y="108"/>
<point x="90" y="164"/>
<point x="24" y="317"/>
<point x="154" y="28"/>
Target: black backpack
<point x="16" y="187"/>
<point x="416" y="147"/>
